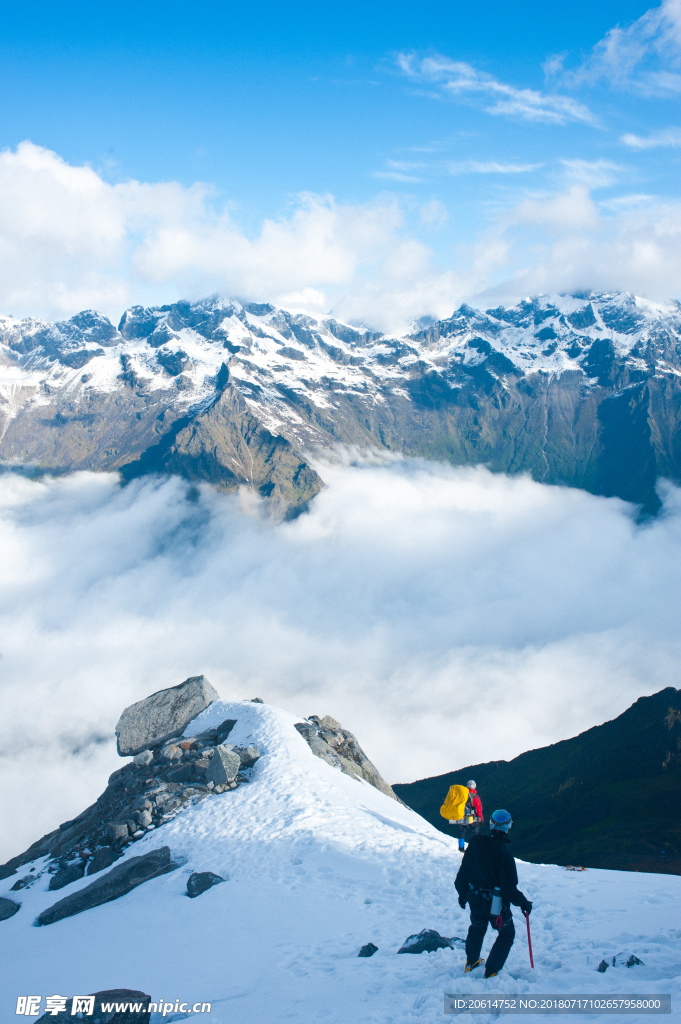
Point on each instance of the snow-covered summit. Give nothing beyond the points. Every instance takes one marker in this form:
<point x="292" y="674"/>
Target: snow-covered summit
<point x="318" y="863"/>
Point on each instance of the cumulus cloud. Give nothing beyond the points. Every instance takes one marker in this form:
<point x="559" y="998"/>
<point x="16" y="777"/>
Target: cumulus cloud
<point x="644" y="57"/>
<point x="70" y="240"/>
<point x="566" y="241"/>
<point x="456" y="79"/>
<point x="446" y="616"/>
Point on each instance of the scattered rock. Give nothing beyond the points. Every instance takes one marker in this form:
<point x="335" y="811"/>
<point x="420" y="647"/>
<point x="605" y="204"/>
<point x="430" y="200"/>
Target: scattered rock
<point x="368" y="950"/>
<point x="164" y="714"/>
<point x="144" y="757"/>
<point x="99" y="1016"/>
<point x="117" y="882"/>
<point x="339" y="748"/>
<point x="171" y="752"/>
<point x="212" y="737"/>
<point x="199" y="881"/>
<point x="144" y="819"/>
<point x="426" y="941"/>
<point x="224" y="765"/>
<point x="103" y="858"/>
<point x="117" y="831"/>
<point x="67" y="874"/>
<point x="23" y="883"/>
<point x="257" y="700"/>
<point x="8" y="908"/>
<point x="633" y="961"/>
<point x="602" y="967"/>
<point x="182" y="774"/>
<point x="247" y="756"/>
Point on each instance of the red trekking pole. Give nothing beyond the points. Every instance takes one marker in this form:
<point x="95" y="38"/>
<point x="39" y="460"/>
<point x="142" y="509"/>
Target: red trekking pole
<point x="529" y="940"/>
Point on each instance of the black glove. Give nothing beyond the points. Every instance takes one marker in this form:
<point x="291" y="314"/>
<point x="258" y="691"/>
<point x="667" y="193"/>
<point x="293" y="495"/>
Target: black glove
<point x="526" y="907"/>
<point x="462" y="902"/>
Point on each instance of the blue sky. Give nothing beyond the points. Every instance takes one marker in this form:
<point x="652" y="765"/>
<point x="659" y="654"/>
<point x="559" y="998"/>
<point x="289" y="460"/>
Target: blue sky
<point x="491" y="149"/>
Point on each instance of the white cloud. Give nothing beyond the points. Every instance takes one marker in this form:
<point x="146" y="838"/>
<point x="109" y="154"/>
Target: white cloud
<point x="456" y="79"/>
<point x="592" y="173"/>
<point x="446" y="616"/>
<point x="490" y="167"/>
<point x="70" y="240"/>
<point x="643" y="57"/>
<point x="566" y="242"/>
<point x="666" y="137"/>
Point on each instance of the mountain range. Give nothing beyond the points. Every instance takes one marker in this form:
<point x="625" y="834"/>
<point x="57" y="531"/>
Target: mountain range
<point x="606" y="798"/>
<point x="581" y="390"/>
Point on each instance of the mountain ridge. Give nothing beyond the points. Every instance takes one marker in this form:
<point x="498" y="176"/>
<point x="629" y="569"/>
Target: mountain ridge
<point x="606" y="798"/>
<point x="579" y="390"/>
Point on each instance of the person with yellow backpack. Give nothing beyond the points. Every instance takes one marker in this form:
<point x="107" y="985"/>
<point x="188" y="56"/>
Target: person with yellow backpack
<point x="463" y="807"/>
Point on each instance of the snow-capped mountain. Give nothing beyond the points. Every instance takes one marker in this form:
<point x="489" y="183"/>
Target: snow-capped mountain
<point x="581" y="390"/>
<point x="314" y="864"/>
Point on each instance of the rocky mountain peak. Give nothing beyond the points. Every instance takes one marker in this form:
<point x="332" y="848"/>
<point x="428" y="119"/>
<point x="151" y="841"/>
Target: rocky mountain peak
<point x="568" y="388"/>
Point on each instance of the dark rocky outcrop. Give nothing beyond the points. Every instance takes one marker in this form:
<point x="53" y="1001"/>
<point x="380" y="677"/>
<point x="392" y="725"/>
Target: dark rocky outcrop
<point x="120" y="880"/>
<point x="368" y="950"/>
<point x="426" y="941"/>
<point x="338" y="747"/>
<point x="200" y="881"/>
<point x="8" y="908"/>
<point x="140" y="796"/>
<point x="608" y="798"/>
<point x="163" y="715"/>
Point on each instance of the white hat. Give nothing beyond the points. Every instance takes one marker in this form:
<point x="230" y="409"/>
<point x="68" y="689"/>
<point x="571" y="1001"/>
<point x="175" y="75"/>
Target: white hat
<point x="471" y="783"/>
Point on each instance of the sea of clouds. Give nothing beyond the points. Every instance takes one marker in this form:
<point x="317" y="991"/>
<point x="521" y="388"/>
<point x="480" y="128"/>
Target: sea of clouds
<point x="446" y="616"/>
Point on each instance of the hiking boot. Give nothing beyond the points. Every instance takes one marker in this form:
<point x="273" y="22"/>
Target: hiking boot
<point x="471" y="967"/>
<point x="492" y="975"/>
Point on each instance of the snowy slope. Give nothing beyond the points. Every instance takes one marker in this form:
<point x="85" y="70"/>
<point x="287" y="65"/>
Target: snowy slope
<point x="319" y="863"/>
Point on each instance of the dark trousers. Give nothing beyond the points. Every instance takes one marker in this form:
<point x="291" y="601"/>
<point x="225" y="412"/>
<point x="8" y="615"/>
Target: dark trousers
<point x="466" y="831"/>
<point x="480" y="918"/>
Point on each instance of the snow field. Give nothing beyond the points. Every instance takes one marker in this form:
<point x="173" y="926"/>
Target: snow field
<point x="319" y="864"/>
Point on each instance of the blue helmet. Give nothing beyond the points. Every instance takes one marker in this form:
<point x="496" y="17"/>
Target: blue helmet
<point x="500" y="821"/>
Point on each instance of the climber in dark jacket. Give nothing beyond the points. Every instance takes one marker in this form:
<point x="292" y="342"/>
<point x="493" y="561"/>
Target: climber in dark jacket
<point x="487" y="863"/>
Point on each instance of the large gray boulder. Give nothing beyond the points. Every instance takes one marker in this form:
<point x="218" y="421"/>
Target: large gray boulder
<point x="117" y="882"/>
<point x="223" y="767"/>
<point x="163" y="715"/>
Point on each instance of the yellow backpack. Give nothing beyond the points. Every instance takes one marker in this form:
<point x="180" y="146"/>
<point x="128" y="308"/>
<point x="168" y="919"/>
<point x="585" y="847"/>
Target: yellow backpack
<point x="455" y="803"/>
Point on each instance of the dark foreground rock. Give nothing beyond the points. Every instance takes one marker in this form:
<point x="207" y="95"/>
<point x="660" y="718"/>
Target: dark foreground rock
<point x="117" y="882"/>
<point x="338" y="747"/>
<point x="368" y="950"/>
<point x="117" y="996"/>
<point x="69" y="873"/>
<point x="426" y="941"/>
<point x="8" y="908"/>
<point x="163" y="715"/>
<point x="200" y="881"/>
